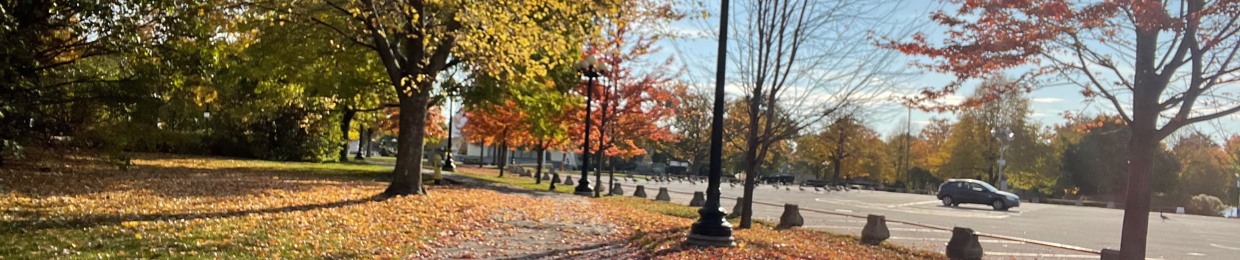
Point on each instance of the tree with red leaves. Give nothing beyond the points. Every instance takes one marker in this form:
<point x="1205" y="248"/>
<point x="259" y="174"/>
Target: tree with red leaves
<point x="1162" y="65"/>
<point x="500" y="124"/>
<point x="631" y="103"/>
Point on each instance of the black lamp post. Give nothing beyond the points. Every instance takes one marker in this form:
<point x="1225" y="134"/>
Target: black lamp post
<point x="1005" y="137"/>
<point x="448" y="163"/>
<point x="711" y="229"/>
<point x="592" y="70"/>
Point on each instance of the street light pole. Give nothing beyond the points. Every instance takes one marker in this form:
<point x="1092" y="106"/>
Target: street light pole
<point x="1005" y="137"/>
<point x="448" y="163"/>
<point x="711" y="229"/>
<point x="591" y="69"/>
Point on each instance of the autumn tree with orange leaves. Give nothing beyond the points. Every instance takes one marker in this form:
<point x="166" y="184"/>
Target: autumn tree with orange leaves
<point x="630" y="103"/>
<point x="1161" y="65"/>
<point x="499" y="124"/>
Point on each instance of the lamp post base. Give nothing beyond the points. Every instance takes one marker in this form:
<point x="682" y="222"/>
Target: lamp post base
<point x="449" y="164"/>
<point x="711" y="241"/>
<point x="583" y="188"/>
<point x="711" y="229"/>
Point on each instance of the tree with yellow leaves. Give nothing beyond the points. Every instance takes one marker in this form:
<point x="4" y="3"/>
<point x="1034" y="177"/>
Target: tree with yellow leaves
<point x="416" y="40"/>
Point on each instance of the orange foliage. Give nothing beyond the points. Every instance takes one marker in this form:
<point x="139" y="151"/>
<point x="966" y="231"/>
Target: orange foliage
<point x="436" y="123"/>
<point x="628" y="105"/>
<point x="496" y="124"/>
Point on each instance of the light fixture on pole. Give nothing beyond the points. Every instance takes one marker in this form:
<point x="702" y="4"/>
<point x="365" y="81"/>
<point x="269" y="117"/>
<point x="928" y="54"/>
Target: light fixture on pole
<point x="711" y="229"/>
<point x="590" y="68"/>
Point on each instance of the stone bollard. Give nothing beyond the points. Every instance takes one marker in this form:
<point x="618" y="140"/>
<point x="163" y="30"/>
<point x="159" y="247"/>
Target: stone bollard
<point x="663" y="196"/>
<point x="555" y="178"/>
<point x="546" y="177"/>
<point x="699" y="198"/>
<point x="875" y="230"/>
<point x="736" y="209"/>
<point x="791" y="217"/>
<point x="1110" y="254"/>
<point x="963" y="245"/>
<point x="640" y="192"/>
<point x="568" y="180"/>
<point x="616" y="190"/>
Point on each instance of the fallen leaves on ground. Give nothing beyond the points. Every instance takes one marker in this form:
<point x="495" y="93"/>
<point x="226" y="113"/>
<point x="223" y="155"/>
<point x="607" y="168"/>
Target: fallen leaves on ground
<point x="659" y="230"/>
<point x="179" y="206"/>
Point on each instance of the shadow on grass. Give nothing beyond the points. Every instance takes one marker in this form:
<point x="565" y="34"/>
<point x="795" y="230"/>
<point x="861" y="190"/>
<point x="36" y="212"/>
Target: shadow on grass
<point x="92" y="222"/>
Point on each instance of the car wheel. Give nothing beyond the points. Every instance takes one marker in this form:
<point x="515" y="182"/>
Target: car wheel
<point x="998" y="205"/>
<point x="947" y="201"/>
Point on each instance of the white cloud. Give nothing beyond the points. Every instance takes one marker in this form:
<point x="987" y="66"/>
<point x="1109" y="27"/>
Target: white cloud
<point x="1045" y="100"/>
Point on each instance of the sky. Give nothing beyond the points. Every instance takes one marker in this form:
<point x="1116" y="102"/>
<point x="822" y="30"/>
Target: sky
<point x="694" y="49"/>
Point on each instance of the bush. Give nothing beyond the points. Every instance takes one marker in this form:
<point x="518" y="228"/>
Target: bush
<point x="1203" y="204"/>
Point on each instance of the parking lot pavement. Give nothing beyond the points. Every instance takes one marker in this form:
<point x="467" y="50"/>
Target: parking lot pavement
<point x="1041" y="231"/>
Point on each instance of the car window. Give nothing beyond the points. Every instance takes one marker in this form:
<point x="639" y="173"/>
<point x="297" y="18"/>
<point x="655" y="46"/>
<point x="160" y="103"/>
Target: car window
<point x="975" y="186"/>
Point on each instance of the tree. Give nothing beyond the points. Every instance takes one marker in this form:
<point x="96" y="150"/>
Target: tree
<point x="692" y="127"/>
<point x="1204" y="166"/>
<point x="1092" y="165"/>
<point x="68" y="64"/>
<point x="417" y="40"/>
<point x="797" y="66"/>
<point x="1112" y="49"/>
<point x="501" y="124"/>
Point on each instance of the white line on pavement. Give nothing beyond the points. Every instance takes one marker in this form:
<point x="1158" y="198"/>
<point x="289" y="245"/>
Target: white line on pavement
<point x="993" y="241"/>
<point x="1040" y="255"/>
<point x="913" y="204"/>
<point x="891" y="229"/>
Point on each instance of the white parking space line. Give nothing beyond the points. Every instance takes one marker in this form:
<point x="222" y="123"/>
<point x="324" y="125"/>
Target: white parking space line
<point x="992" y="241"/>
<point x="913" y="204"/>
<point x="890" y="229"/>
<point x="1039" y="255"/>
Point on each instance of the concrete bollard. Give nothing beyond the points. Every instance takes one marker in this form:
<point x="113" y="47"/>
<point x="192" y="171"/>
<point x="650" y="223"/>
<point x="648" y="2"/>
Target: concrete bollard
<point x="640" y="192"/>
<point x="791" y="217"/>
<point x="616" y="190"/>
<point x="736" y="209"/>
<point x="875" y="230"/>
<point x="568" y="180"/>
<point x="1110" y="254"/>
<point x="663" y="196"/>
<point x="555" y="178"/>
<point x="699" y="198"/>
<point x="964" y="245"/>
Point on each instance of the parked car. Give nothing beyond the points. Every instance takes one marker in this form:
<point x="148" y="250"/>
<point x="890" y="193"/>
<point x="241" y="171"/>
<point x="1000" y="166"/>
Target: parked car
<point x="961" y="191"/>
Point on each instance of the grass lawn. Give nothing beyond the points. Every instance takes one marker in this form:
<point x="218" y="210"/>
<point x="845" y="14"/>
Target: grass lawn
<point x="80" y="207"/>
<point x="171" y="206"/>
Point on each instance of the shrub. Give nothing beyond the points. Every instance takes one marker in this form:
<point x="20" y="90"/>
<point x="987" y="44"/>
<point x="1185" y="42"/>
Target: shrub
<point x="1203" y="204"/>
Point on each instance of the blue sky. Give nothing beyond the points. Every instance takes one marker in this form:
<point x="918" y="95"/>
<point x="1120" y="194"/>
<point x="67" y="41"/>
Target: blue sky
<point x="696" y="45"/>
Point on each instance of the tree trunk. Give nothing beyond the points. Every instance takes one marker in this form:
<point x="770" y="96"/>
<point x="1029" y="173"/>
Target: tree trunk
<point x="538" y="172"/>
<point x="611" y="175"/>
<point x="361" y="139"/>
<point x="835" y="166"/>
<point x="502" y="154"/>
<point x="751" y="164"/>
<point x="407" y="178"/>
<point x="346" y="119"/>
<point x="1148" y="87"/>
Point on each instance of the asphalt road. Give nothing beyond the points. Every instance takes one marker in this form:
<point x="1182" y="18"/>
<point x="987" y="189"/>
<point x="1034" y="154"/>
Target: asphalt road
<point x="1031" y="231"/>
